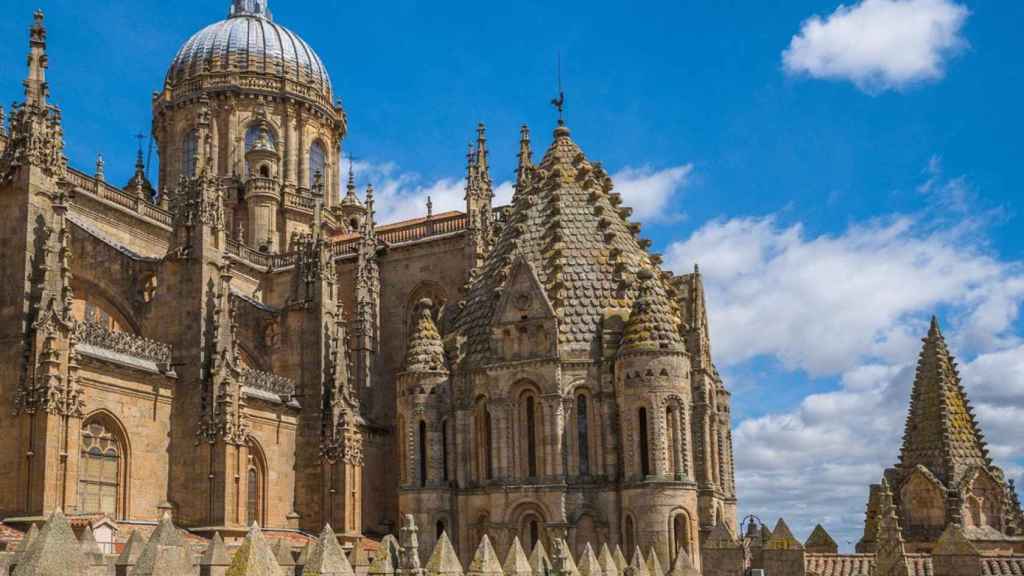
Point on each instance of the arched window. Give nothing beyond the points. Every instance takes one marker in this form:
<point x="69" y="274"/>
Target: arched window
<point x="531" y="437"/>
<point x="101" y="469"/>
<point x="444" y="450"/>
<point x="645" y="455"/>
<point x="482" y="432"/>
<point x="680" y="536"/>
<point x="189" y="153"/>
<point x="534" y="533"/>
<point x="317" y="162"/>
<point x="630" y="536"/>
<point x="583" y="435"/>
<point x="255" y="486"/>
<point x="439" y="529"/>
<point x="422" y="456"/>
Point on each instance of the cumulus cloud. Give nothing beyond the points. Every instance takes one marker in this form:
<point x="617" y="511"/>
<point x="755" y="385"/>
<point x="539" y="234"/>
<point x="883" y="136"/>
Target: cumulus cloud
<point x="651" y="192"/>
<point x="403" y="194"/>
<point x="850" y="308"/>
<point x="879" y="44"/>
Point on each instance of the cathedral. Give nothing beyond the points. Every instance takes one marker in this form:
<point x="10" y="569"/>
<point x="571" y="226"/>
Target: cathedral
<point x="241" y="347"/>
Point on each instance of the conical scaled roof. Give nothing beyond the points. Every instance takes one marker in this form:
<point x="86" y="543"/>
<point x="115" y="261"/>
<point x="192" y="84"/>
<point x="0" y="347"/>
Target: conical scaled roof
<point x="567" y="225"/>
<point x="425" y="352"/>
<point x="941" y="433"/>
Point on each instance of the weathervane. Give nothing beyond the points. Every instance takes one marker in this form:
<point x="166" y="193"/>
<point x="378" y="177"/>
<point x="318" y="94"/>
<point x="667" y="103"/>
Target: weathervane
<point x="559" y="103"/>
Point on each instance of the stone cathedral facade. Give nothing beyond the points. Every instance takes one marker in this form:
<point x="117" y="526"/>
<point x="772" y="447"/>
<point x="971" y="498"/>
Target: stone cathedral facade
<point x="241" y="350"/>
<point x="240" y="341"/>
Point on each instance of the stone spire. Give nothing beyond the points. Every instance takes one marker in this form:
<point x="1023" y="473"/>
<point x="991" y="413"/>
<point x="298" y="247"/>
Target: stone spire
<point x="254" y="557"/>
<point x="165" y="553"/>
<point x="37" y="90"/>
<point x="444" y="561"/>
<point x="941" y="432"/>
<point x="485" y="561"/>
<point x="425" y="352"/>
<point x="525" y="158"/>
<point x="326" y="557"/>
<point x="516" y="562"/>
<point x="821" y="542"/>
<point x="891" y="554"/>
<point x="54" y="552"/>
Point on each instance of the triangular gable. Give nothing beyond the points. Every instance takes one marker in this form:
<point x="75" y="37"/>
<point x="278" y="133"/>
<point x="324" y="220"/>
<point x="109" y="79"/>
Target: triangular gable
<point x="523" y="297"/>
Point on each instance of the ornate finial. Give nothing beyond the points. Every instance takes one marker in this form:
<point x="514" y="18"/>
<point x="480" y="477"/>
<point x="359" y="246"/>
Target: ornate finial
<point x="559" y="103"/>
<point x="100" y="174"/>
<point x="3" y="121"/>
<point x="249" y="8"/>
<point x="351" y="188"/>
<point x="525" y="156"/>
<point x="430" y="208"/>
<point x="36" y="88"/>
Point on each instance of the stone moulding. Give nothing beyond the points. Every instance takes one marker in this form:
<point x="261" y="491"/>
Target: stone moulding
<point x="98" y="336"/>
<point x="267" y="382"/>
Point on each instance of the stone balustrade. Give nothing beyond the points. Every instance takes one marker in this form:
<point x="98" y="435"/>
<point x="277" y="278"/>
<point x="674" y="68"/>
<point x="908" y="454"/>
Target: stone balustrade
<point x="125" y="343"/>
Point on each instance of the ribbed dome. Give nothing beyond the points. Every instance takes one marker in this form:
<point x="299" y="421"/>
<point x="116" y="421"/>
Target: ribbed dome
<point x="250" y="41"/>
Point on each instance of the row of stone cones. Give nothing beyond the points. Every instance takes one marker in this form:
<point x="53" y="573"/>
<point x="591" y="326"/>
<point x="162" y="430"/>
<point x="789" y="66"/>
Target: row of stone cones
<point x="55" y="551"/>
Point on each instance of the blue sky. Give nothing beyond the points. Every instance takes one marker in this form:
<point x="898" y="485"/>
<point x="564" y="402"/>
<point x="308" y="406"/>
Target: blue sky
<point x="839" y="179"/>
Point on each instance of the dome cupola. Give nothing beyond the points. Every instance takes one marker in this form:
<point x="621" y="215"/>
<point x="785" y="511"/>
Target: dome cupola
<point x="248" y="50"/>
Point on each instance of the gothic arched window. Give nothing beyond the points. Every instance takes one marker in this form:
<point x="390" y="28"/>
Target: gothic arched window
<point x="583" y="435"/>
<point x="189" y="153"/>
<point x="645" y="455"/>
<point x="101" y="469"/>
<point x="317" y="163"/>
<point x="680" y="535"/>
<point x="255" y="485"/>
<point x="482" y="433"/>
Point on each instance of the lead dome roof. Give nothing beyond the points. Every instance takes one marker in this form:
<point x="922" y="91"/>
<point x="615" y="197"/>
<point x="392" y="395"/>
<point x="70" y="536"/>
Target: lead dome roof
<point x="250" y="41"/>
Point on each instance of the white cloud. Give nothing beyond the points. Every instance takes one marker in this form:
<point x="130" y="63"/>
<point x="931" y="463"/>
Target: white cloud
<point x="879" y="44"/>
<point x="401" y="195"/>
<point x="651" y="192"/>
<point x="852" y="307"/>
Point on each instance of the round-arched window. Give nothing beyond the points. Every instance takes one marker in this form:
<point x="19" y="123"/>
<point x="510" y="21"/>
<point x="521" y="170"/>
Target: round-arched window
<point x="189" y="153"/>
<point x="317" y="162"/>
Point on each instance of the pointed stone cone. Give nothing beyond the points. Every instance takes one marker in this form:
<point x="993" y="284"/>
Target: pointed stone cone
<point x="516" y="562"/>
<point x="360" y="558"/>
<point x="485" y="560"/>
<point x="254" y="557"/>
<point x="683" y="566"/>
<point x="821" y="542"/>
<point x="165" y="554"/>
<point x="653" y="563"/>
<point x="326" y="557"/>
<point x="54" y="552"/>
<point x="589" y="564"/>
<point x="954" y="542"/>
<point x="540" y="564"/>
<point x="129" y="554"/>
<point x="383" y="562"/>
<point x="638" y="566"/>
<point x="23" y="546"/>
<point x="91" y="548"/>
<point x="782" y="538"/>
<point x="443" y="561"/>
<point x="215" y="559"/>
<point x="390" y="546"/>
<point x="608" y="564"/>
<point x="283" y="553"/>
<point x="620" y="560"/>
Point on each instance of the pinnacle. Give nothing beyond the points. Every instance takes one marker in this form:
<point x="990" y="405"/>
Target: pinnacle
<point x="609" y="566"/>
<point x="539" y="561"/>
<point x="131" y="551"/>
<point x="516" y="562"/>
<point x="165" y="553"/>
<point x="638" y="566"/>
<point x="782" y="538"/>
<point x="215" y="554"/>
<point x="254" y="557"/>
<point x="326" y="557"/>
<point x="589" y="564"/>
<point x="54" y="552"/>
<point x="444" y="561"/>
<point x="654" y="564"/>
<point x="821" y="541"/>
<point x="485" y="560"/>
